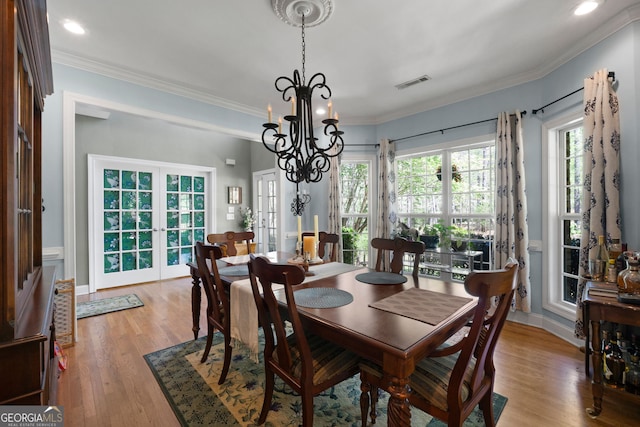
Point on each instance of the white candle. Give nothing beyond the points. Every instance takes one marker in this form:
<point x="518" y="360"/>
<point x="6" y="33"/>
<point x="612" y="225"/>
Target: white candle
<point x="293" y="106"/>
<point x="280" y="125"/>
<point x="299" y="229"/>
<point x="315" y="227"/>
<point x="269" y="113"/>
<point x="329" y="107"/>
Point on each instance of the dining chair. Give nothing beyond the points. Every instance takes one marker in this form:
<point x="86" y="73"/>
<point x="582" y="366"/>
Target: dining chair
<point x="326" y="240"/>
<point x="397" y="247"/>
<point x="306" y="362"/>
<point x="451" y="381"/>
<point x="217" y="302"/>
<point x="230" y="238"/>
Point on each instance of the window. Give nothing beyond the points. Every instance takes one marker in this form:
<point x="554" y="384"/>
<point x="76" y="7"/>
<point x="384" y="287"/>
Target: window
<point x="563" y="149"/>
<point x="355" y="181"/>
<point x="462" y="199"/>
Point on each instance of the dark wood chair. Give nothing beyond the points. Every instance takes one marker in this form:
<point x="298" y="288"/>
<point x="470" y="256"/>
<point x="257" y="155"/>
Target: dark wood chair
<point x="397" y="247"/>
<point x="230" y="238"/>
<point x="326" y="240"/>
<point x="453" y="380"/>
<point x="217" y="302"/>
<point x="306" y="362"/>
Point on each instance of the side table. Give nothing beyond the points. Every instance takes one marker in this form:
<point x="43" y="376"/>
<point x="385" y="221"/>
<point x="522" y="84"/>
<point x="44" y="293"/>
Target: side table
<point x="597" y="309"/>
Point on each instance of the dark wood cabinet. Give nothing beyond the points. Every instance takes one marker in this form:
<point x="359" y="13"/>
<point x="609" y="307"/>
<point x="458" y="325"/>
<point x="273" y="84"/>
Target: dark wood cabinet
<point x="27" y="363"/>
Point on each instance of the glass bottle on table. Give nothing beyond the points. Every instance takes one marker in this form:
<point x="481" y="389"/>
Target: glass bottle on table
<point x="598" y="264"/>
<point x="632" y="380"/>
<point x="621" y="266"/>
<point x="632" y="277"/>
<point x="614" y="361"/>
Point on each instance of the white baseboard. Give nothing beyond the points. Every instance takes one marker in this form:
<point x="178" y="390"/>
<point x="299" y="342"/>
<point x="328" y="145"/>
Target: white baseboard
<point x="549" y="325"/>
<point x="82" y="289"/>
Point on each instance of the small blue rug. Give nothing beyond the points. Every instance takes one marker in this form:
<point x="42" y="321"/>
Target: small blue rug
<point x="107" y="305"/>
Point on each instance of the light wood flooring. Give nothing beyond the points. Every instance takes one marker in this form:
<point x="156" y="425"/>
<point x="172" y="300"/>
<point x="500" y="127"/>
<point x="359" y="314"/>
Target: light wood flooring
<point x="108" y="383"/>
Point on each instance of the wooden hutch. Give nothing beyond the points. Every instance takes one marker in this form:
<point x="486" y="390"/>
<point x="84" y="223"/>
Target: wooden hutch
<point x="27" y="365"/>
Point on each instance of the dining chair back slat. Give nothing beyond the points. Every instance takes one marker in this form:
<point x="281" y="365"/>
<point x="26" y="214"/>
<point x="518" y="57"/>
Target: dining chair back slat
<point x="397" y="248"/>
<point x="230" y="238"/>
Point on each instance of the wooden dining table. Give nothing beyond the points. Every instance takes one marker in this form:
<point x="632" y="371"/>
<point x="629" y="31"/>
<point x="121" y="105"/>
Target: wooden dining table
<point x="393" y="341"/>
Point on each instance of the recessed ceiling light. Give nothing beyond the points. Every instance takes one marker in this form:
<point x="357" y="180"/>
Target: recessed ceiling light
<point x="320" y="111"/>
<point x="73" y="27"/>
<point x="586" y="7"/>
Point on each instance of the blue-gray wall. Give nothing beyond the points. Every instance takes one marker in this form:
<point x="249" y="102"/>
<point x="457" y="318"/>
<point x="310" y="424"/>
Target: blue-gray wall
<point x="619" y="53"/>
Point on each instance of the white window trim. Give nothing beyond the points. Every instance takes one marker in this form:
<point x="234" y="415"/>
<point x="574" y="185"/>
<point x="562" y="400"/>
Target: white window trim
<point x="552" y="299"/>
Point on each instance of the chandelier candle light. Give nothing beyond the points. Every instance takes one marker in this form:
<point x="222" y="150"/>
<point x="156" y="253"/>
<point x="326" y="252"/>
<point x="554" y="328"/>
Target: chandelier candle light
<point x="299" y="154"/>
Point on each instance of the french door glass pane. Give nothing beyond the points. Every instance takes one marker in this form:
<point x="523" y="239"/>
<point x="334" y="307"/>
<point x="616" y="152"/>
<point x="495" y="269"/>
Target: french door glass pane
<point x="185" y="216"/>
<point x="127" y="220"/>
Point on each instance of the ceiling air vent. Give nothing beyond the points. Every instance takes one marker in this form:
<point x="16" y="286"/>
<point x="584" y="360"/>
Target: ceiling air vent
<point x="415" y="81"/>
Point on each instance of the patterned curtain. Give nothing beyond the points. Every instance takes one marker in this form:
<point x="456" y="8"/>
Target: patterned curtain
<point x="512" y="232"/>
<point x="335" y="221"/>
<point x="601" y="168"/>
<point x="387" y="219"/>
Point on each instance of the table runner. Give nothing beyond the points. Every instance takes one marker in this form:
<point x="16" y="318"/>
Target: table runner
<point x="423" y="305"/>
<point x="244" y="315"/>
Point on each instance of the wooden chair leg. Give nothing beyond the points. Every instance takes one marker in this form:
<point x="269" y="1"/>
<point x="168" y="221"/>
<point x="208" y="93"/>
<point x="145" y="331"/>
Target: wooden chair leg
<point x="486" y="405"/>
<point x="210" y="331"/>
<point x="307" y="410"/>
<point x="365" y="387"/>
<point x="268" y="394"/>
<point x="227" y="359"/>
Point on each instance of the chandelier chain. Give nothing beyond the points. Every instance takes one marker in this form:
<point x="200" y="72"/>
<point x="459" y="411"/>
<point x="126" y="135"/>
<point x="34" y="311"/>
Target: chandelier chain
<point x="303" y="51"/>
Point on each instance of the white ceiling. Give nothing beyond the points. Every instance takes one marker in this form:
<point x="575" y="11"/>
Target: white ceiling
<point x="229" y="53"/>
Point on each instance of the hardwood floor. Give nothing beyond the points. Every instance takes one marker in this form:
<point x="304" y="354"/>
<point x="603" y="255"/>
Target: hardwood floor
<point x="108" y="383"/>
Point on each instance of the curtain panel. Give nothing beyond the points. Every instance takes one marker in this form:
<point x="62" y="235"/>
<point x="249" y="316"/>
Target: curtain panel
<point x="512" y="233"/>
<point x="387" y="215"/>
<point x="600" y="206"/>
<point x="334" y="218"/>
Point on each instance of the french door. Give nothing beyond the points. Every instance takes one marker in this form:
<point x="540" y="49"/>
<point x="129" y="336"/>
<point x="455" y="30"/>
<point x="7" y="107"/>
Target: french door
<point x="144" y="219"/>
<point x="265" y="202"/>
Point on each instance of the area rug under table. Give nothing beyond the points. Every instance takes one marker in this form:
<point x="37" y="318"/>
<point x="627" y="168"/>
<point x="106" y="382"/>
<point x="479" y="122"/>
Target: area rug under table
<point x="196" y="398"/>
<point x="107" y="305"/>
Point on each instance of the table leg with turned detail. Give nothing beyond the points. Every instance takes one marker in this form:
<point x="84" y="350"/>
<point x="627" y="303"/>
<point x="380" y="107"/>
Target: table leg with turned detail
<point x="196" y="299"/>
<point x="597" y="389"/>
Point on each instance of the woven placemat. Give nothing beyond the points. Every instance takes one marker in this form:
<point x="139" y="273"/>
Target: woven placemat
<point x="381" y="278"/>
<point x="423" y="305"/>
<point x="322" y="297"/>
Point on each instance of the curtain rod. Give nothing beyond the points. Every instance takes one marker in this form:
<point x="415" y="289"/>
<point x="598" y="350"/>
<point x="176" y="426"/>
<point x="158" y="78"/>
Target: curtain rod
<point x="611" y="74"/>
<point x="449" y="128"/>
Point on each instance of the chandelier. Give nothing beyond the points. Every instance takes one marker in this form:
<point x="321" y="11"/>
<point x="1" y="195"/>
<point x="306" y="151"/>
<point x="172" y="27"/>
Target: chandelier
<point x="296" y="147"/>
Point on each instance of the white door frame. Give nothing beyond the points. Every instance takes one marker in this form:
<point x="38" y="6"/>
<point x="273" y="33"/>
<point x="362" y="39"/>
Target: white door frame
<point x="162" y="168"/>
<point x="71" y="102"/>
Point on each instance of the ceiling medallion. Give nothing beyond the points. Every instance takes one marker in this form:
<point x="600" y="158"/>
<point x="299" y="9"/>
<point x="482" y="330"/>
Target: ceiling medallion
<point x="315" y="12"/>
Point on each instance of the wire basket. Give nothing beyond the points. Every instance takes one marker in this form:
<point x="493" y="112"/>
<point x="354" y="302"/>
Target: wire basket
<point x="64" y="312"/>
